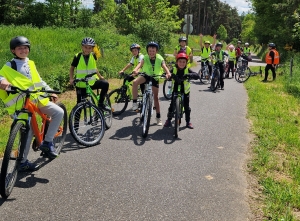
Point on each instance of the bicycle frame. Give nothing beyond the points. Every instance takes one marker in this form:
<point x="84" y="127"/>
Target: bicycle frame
<point x="148" y="93"/>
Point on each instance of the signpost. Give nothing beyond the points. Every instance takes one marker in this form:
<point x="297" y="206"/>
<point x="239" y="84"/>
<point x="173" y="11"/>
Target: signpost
<point x="188" y="27"/>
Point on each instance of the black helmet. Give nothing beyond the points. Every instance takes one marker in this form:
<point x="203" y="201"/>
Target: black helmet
<point x="19" y="41"/>
<point x="88" y="41"/>
<point x="272" y="45"/>
<point x="135" y="45"/>
<point x="219" y="44"/>
<point x="152" y="44"/>
<point x="182" y="38"/>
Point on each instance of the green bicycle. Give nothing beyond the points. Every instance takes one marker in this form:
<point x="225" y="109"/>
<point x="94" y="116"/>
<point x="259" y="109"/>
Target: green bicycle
<point x="87" y="123"/>
<point x="120" y="97"/>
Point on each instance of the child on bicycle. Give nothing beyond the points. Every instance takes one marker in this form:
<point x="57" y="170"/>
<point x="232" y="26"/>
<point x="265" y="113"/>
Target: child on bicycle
<point x="152" y="65"/>
<point x="85" y="63"/>
<point x="135" y="60"/>
<point x="219" y="56"/>
<point x="180" y="70"/>
<point x="21" y="72"/>
<point x="183" y="48"/>
<point x="206" y="49"/>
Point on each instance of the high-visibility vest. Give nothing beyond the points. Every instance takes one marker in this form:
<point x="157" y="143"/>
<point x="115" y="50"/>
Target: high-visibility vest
<point x="186" y="83"/>
<point x="269" y="58"/>
<point x="247" y="51"/>
<point x="187" y="49"/>
<point x="136" y="60"/>
<point x="84" y="69"/>
<point x="232" y="56"/>
<point x="205" y="53"/>
<point x="15" y="102"/>
<point x="155" y="71"/>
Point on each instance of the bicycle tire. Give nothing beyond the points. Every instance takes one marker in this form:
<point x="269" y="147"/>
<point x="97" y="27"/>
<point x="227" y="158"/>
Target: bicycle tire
<point x="177" y="116"/>
<point x="204" y="77"/>
<point x="214" y="81"/>
<point x="107" y="113"/>
<point x="147" y="117"/>
<point x="243" y="75"/>
<point x="119" y="101"/>
<point x="86" y="124"/>
<point x="167" y="89"/>
<point x="59" y="139"/>
<point x="11" y="159"/>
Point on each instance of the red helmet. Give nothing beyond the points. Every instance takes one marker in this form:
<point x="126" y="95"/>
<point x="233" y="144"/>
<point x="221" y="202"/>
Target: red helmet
<point x="182" y="55"/>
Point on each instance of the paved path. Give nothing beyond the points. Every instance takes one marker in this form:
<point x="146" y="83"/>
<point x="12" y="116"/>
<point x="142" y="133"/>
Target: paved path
<point x="199" y="176"/>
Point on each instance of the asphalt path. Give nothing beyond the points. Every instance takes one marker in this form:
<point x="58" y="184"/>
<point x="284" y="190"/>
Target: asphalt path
<point x="198" y="176"/>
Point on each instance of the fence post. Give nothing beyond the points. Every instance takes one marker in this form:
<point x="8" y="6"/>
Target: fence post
<point x="291" y="67"/>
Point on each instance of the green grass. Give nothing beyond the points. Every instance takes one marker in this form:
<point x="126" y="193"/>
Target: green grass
<point x="275" y="115"/>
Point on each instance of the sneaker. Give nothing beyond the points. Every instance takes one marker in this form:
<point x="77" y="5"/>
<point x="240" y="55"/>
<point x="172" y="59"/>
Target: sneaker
<point x="222" y="88"/>
<point x="48" y="148"/>
<point x="158" y="122"/>
<point x="27" y="166"/>
<point x="168" y="123"/>
<point x="103" y="107"/>
<point x="189" y="125"/>
<point x="135" y="106"/>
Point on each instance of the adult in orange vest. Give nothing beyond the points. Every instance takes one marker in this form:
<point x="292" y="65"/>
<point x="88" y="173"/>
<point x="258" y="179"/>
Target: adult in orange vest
<point x="272" y="59"/>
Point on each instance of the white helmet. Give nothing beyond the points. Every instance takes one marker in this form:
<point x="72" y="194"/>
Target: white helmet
<point x="246" y="44"/>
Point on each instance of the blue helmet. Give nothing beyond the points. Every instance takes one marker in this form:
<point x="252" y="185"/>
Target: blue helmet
<point x="88" y="41"/>
<point x="152" y="44"/>
<point x="135" y="45"/>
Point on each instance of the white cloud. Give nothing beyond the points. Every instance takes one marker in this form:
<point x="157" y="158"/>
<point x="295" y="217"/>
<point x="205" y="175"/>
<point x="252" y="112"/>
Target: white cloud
<point x="241" y="5"/>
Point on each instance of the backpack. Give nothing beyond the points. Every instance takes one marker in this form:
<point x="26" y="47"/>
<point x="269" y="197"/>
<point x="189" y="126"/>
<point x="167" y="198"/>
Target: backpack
<point x="13" y="65"/>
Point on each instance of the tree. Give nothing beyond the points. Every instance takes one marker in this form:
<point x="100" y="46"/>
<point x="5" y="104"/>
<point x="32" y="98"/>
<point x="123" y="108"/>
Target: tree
<point x="222" y="32"/>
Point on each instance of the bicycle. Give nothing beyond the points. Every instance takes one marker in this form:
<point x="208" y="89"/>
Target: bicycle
<point x="120" y="97"/>
<point x="168" y="84"/>
<point x="243" y="72"/>
<point x="147" y="105"/>
<point x="204" y="74"/>
<point x="88" y="128"/>
<point x="178" y="103"/>
<point x="215" y="78"/>
<point x="28" y="115"/>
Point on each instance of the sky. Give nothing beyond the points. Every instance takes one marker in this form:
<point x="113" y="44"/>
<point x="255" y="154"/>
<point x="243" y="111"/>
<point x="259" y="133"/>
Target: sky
<point x="241" y="5"/>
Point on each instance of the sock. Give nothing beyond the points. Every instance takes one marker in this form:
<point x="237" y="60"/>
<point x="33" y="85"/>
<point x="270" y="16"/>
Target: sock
<point x="157" y="115"/>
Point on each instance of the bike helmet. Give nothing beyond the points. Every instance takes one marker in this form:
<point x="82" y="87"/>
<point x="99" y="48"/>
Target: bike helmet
<point x="182" y="38"/>
<point x="246" y="44"/>
<point x="231" y="47"/>
<point x="88" y="41"/>
<point x="207" y="42"/>
<point x="19" y="41"/>
<point x="182" y="55"/>
<point x="239" y="42"/>
<point x="219" y="44"/>
<point x="272" y="45"/>
<point x="152" y="44"/>
<point x="135" y="45"/>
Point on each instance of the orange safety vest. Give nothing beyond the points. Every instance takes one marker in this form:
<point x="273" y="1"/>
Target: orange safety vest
<point x="269" y="58"/>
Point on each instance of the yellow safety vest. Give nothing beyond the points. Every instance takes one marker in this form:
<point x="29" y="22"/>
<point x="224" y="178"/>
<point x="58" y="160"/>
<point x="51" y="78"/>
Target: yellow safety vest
<point x="205" y="53"/>
<point x="186" y="83"/>
<point x="187" y="49"/>
<point x="232" y="56"/>
<point x="157" y="70"/>
<point x="82" y="70"/>
<point x="14" y="102"/>
<point x="247" y="51"/>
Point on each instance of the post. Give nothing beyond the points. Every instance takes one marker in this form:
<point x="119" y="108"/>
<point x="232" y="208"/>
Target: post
<point x="187" y="29"/>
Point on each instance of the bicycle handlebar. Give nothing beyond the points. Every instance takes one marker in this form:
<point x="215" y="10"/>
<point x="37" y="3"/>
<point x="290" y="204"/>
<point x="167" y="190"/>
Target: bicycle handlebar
<point x="85" y="79"/>
<point x="14" y="90"/>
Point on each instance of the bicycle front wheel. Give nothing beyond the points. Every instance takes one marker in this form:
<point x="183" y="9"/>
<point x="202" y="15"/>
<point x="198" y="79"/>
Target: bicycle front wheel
<point x="11" y="159"/>
<point x="204" y="77"/>
<point x="107" y="113"/>
<point x="147" y="116"/>
<point x="87" y="124"/>
<point x="119" y="101"/>
<point x="167" y="89"/>
<point x="178" y="109"/>
<point x="214" y="81"/>
<point x="242" y="75"/>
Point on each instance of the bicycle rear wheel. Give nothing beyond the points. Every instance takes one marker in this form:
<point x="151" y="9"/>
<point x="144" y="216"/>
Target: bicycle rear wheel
<point x="167" y="89"/>
<point x="119" y="99"/>
<point x="147" y="116"/>
<point x="242" y="75"/>
<point x="107" y="113"/>
<point x="61" y="134"/>
<point x="87" y="124"/>
<point x="11" y="160"/>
